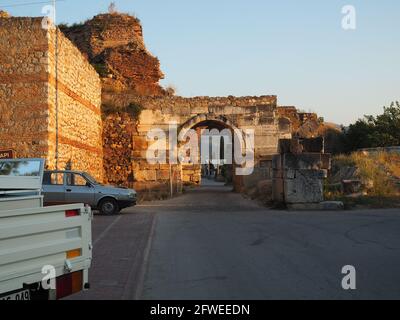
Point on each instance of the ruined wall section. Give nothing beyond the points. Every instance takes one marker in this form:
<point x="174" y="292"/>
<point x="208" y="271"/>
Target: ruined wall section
<point x="79" y="108"/>
<point x="114" y="44"/>
<point x="24" y="114"/>
<point x="28" y="98"/>
<point x="257" y="113"/>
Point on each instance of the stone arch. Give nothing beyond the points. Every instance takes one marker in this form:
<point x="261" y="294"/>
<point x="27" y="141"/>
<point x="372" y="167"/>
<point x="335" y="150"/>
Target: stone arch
<point x="192" y="122"/>
<point x="221" y="121"/>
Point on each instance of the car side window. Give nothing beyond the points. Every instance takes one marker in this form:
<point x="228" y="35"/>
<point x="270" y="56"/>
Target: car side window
<point x="76" y="180"/>
<point x="53" y="179"/>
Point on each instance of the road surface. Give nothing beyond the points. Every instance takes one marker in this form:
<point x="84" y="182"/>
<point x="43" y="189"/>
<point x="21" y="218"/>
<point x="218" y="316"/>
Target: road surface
<point x="211" y="243"/>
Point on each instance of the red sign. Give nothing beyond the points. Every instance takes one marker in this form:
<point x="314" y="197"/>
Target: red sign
<point x="7" y="154"/>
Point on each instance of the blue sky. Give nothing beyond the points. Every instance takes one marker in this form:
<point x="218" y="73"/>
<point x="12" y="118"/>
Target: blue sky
<point x="294" y="49"/>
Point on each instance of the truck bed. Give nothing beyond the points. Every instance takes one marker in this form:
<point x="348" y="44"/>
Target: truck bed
<point x="32" y="237"/>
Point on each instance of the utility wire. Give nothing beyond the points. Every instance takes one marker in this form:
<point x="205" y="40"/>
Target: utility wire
<point x="28" y="4"/>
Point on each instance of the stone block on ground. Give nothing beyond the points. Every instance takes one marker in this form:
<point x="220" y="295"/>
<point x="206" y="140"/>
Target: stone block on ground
<point x="296" y="147"/>
<point x="302" y="161"/>
<point x="313" y="144"/>
<point x="264" y="188"/>
<point x="351" y="186"/>
<point x="303" y="189"/>
<point x="277" y="174"/>
<point x="277" y="162"/>
<point x="278" y="190"/>
<point x="284" y="146"/>
<point x="332" y="205"/>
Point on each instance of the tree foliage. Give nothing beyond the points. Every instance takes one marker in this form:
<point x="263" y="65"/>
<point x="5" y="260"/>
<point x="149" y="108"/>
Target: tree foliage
<point x="373" y="132"/>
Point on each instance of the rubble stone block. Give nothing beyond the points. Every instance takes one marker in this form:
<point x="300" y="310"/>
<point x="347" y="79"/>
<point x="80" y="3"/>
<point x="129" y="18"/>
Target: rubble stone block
<point x="296" y="147"/>
<point x="277" y="174"/>
<point x="331" y="205"/>
<point x="284" y="146"/>
<point x="290" y="174"/>
<point x="351" y="186"/>
<point x="278" y="190"/>
<point x="313" y="144"/>
<point x="311" y="174"/>
<point x="303" y="190"/>
<point x="302" y="161"/>
<point x="277" y="162"/>
<point x="265" y="187"/>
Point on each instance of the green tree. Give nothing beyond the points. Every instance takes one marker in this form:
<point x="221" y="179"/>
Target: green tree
<point x="372" y="132"/>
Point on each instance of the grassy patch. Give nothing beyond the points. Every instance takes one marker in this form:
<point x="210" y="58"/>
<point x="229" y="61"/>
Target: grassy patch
<point x="377" y="172"/>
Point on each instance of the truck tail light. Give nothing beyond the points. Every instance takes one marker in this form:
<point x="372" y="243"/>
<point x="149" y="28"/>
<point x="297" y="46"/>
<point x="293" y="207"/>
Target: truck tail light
<point x="72" y="213"/>
<point x="74" y="253"/>
<point x="69" y="284"/>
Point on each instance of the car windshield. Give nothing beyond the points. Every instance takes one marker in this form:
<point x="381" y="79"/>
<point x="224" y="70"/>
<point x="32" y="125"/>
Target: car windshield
<point x="91" y="179"/>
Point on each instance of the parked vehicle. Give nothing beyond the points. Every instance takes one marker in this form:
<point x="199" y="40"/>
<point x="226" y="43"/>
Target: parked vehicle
<point x="66" y="187"/>
<point x="45" y="252"/>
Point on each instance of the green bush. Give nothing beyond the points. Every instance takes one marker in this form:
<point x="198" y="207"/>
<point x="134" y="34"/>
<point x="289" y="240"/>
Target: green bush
<point x="101" y="69"/>
<point x="134" y="109"/>
<point x="373" y="132"/>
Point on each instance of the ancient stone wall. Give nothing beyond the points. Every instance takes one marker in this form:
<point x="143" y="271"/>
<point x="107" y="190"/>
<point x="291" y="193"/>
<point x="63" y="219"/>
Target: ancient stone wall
<point x="114" y="45"/>
<point x="257" y="113"/>
<point x="79" y="114"/>
<point x="29" y="95"/>
<point x="24" y="114"/>
<point x="297" y="119"/>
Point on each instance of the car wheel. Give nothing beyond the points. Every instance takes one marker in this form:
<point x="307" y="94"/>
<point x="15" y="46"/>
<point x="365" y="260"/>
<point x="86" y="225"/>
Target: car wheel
<point x="108" y="207"/>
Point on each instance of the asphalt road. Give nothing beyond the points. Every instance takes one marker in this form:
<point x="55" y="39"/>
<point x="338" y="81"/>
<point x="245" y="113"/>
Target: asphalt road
<point x="213" y="244"/>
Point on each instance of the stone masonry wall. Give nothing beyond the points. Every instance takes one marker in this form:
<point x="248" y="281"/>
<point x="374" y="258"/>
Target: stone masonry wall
<point x="114" y="44"/>
<point x="258" y="113"/>
<point x="24" y="114"/>
<point x="28" y="97"/>
<point x="79" y="113"/>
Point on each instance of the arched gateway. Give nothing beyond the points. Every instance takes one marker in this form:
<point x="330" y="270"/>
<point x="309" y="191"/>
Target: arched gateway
<point x="247" y="113"/>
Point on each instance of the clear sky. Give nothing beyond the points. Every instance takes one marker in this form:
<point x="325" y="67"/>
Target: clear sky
<point x="294" y="49"/>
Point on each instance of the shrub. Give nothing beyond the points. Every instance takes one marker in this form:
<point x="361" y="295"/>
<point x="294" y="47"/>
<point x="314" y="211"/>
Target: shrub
<point x="170" y="90"/>
<point x="371" y="132"/>
<point x="134" y="109"/>
<point x="101" y="69"/>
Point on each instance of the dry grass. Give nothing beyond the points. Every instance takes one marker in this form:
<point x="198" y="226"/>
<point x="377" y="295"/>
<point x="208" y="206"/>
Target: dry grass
<point x="391" y="161"/>
<point x="376" y="171"/>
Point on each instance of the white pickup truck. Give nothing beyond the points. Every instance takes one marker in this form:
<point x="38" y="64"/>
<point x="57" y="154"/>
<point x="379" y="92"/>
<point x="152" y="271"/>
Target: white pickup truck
<point x="45" y="252"/>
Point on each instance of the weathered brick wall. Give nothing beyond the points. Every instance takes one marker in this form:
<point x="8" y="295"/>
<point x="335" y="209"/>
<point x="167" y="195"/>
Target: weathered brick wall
<point x="28" y="97"/>
<point x="24" y="115"/>
<point x="79" y="113"/>
<point x="258" y="113"/>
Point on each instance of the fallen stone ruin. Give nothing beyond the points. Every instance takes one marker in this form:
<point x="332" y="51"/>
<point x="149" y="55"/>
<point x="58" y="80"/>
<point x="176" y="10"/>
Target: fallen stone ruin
<point x="299" y="171"/>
